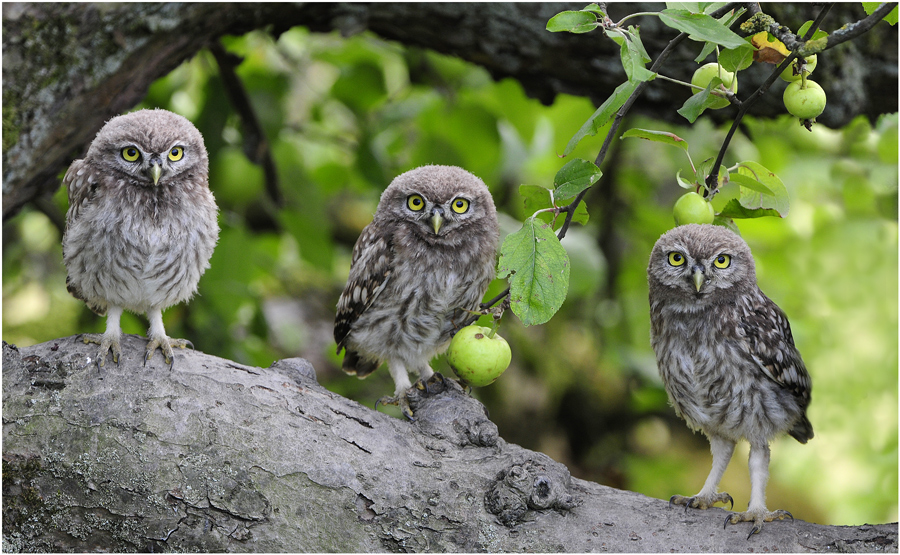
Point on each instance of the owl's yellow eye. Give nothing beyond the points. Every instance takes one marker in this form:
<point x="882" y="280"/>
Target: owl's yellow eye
<point x="722" y="261"/>
<point x="415" y="202"/>
<point x="460" y="205"/>
<point x="131" y="154"/>
<point x="676" y="259"/>
<point x="176" y="154"/>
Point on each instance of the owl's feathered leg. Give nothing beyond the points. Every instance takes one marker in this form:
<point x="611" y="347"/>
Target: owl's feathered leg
<point x="159" y="339"/>
<point x="401" y="386"/>
<point x="722" y="449"/>
<point x="110" y="340"/>
<point x="759" y="475"/>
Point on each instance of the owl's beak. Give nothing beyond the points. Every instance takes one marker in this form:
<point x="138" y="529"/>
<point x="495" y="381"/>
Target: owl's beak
<point x="699" y="277"/>
<point x="437" y="219"/>
<point x="155" y="171"/>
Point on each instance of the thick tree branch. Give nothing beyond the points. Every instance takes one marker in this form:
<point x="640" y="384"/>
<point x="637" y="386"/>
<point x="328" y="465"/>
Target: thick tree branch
<point x="218" y="456"/>
<point x="70" y="67"/>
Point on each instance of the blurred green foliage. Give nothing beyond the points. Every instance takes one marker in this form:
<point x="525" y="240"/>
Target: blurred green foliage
<point x="344" y="116"/>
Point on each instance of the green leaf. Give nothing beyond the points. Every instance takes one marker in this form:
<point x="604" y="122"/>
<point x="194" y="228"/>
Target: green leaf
<point x="726" y="20"/>
<point x="734" y="209"/>
<point x="603" y="114"/>
<point x="750" y="183"/>
<point x="684" y="183"/>
<point x="535" y="197"/>
<point x="696" y="104"/>
<point x="707" y="49"/>
<point x="736" y="59"/>
<point x="581" y="215"/>
<point x="537" y="266"/>
<point x="779" y="200"/>
<point x="574" y="177"/>
<point x="573" y="22"/>
<point x="594" y="8"/>
<point x="664" y="137"/>
<point x="819" y="32"/>
<point x="701" y="27"/>
<point x="634" y="56"/>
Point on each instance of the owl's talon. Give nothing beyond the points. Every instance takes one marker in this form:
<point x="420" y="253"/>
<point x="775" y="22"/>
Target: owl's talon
<point x="399" y="401"/>
<point x="165" y="344"/>
<point x="757" y="517"/>
<point x="701" y="502"/>
<point x="108" y="344"/>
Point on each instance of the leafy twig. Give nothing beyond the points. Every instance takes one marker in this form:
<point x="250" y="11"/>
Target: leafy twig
<point x="712" y="180"/>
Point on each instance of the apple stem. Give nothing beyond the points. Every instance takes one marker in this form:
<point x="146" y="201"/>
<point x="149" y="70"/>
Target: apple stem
<point x="493" y="329"/>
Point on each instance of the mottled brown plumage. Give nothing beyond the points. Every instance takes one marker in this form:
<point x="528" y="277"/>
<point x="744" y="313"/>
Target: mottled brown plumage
<point x="726" y="356"/>
<point x="141" y="225"/>
<point x="426" y="258"/>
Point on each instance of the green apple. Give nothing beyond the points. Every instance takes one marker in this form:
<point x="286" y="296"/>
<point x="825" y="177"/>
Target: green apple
<point x="706" y="73"/>
<point x="477" y="357"/>
<point x="805" y="102"/>
<point x="788" y="73"/>
<point x="691" y="208"/>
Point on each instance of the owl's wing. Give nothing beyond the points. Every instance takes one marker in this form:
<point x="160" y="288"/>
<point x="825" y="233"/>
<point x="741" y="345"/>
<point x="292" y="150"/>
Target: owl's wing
<point x="370" y="270"/>
<point x="768" y="340"/>
<point x="80" y="183"/>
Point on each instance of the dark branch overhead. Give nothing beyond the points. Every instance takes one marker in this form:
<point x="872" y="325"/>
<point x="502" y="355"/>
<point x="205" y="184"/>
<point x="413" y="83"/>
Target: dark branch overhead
<point x="67" y="68"/>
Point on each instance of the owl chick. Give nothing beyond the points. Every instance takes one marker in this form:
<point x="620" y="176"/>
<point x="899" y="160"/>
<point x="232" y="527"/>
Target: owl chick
<point x="141" y="225"/>
<point x="424" y="262"/>
<point x="726" y="356"/>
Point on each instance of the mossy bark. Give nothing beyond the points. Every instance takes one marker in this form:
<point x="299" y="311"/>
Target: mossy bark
<point x="217" y="456"/>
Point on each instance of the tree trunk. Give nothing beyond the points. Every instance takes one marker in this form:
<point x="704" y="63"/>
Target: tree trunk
<point x="68" y="68"/>
<point x="217" y="456"/>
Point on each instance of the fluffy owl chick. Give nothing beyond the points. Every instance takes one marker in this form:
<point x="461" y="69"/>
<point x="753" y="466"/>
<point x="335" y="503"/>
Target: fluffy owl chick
<point x="726" y="356"/>
<point x="141" y="225"/>
<point x="424" y="261"/>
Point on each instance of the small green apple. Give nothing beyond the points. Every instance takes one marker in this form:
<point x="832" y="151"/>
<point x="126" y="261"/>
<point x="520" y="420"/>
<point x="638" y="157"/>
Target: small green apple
<point x="788" y="73"/>
<point x="804" y="102"/>
<point x="705" y="74"/>
<point x="691" y="208"/>
<point x="477" y="358"/>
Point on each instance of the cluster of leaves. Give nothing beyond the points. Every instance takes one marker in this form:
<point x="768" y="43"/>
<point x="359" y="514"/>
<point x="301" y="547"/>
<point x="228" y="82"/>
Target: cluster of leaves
<point x="533" y="259"/>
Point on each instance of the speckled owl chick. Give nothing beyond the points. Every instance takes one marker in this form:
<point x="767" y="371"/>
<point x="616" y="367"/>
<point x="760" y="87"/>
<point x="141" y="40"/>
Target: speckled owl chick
<point x="141" y="225"/>
<point x="417" y="270"/>
<point x="726" y="357"/>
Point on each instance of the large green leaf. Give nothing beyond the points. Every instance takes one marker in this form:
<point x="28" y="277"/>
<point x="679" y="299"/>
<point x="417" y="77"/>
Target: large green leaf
<point x="736" y="59"/>
<point x="697" y="103"/>
<point x="573" y="22"/>
<point x="576" y="176"/>
<point x="537" y="267"/>
<point x="734" y="209"/>
<point x="535" y="198"/>
<point x="602" y="115"/>
<point x="779" y="200"/>
<point x="701" y="27"/>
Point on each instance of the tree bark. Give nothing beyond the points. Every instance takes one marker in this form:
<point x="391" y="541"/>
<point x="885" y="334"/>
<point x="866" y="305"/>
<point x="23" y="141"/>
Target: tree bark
<point x="218" y="456"/>
<point x="68" y="68"/>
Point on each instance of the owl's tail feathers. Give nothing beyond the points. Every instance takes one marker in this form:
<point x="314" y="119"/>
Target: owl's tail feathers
<point x="358" y="367"/>
<point x="802" y="430"/>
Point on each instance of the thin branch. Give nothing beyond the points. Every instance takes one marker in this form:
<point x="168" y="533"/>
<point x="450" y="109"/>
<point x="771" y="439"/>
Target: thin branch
<point x="712" y="180"/>
<point x="256" y="146"/>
